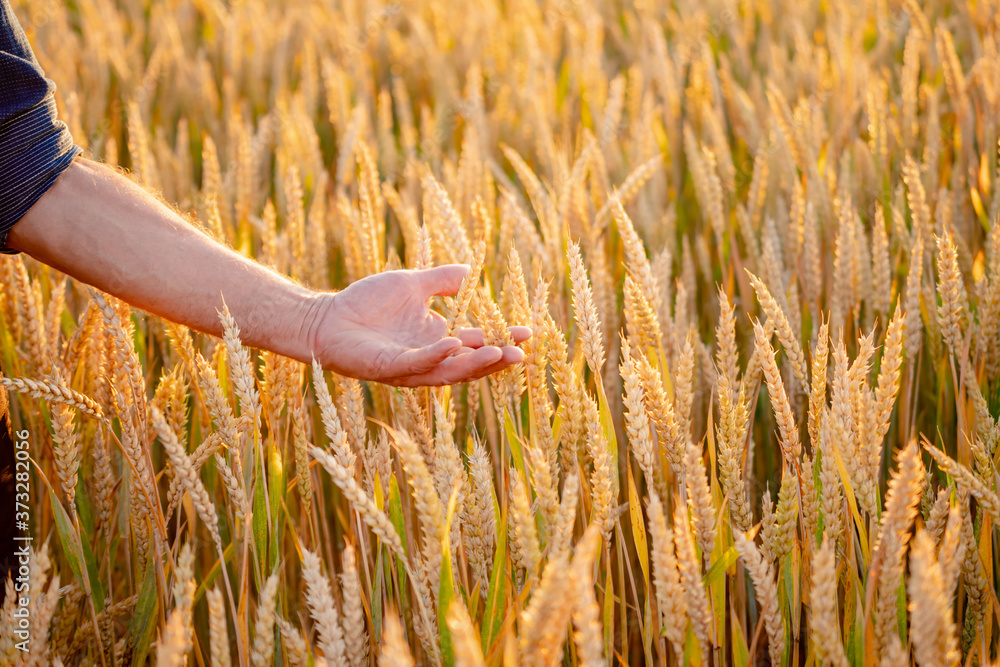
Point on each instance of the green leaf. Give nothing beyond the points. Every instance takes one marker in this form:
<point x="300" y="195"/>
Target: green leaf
<point x="84" y="509"/>
<point x="977" y="205"/>
<point x="395" y="507"/>
<point x="138" y="337"/>
<point x="493" y="613"/>
<point x="692" y="648"/>
<point x="222" y="371"/>
<point x="852" y="503"/>
<point x="901" y="612"/>
<point x="668" y="383"/>
<point x="96" y="588"/>
<point x="608" y="423"/>
<point x="855" y="642"/>
<point x="7" y="343"/>
<point x="516" y="449"/>
<point x="212" y="573"/>
<point x="720" y="566"/>
<point x="787" y="597"/>
<point x="562" y="86"/>
<point x="260" y="522"/>
<point x="586" y="118"/>
<point x="638" y="526"/>
<point x="70" y="540"/>
<point x="140" y="629"/>
<point x="377" y="591"/>
<point x="557" y="424"/>
<point x="122" y="517"/>
<point x="793" y="583"/>
<point x="68" y="323"/>
<point x="609" y="612"/>
<point x="276" y="487"/>
<point x="739" y="643"/>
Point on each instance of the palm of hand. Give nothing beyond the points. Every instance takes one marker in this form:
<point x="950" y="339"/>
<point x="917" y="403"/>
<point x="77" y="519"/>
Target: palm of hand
<point x="383" y="317"/>
<point x="381" y="328"/>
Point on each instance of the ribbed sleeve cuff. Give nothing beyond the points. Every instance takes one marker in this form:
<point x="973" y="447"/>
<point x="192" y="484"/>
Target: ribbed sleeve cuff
<point x="35" y="148"/>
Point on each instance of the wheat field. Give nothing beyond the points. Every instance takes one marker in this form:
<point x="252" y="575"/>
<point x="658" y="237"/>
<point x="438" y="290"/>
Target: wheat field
<point x="757" y="243"/>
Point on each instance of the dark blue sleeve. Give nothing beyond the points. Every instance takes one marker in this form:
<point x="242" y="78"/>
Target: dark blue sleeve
<point x="35" y="146"/>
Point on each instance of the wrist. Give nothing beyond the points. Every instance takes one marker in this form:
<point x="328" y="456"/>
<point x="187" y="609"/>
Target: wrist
<point x="315" y="316"/>
<point x="283" y="319"/>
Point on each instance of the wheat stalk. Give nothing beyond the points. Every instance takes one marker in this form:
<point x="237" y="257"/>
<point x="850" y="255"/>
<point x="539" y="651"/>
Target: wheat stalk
<point x="669" y="594"/>
<point x="262" y="652"/>
<point x="791" y="449"/>
<point x="762" y="574"/>
<point x="324" y="612"/>
<point x="932" y="626"/>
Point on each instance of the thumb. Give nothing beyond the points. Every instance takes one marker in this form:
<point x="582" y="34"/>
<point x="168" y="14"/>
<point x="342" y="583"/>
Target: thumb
<point x="443" y="280"/>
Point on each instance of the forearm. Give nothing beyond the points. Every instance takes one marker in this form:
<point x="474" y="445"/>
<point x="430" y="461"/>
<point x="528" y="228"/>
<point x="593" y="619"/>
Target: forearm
<point x="100" y="228"/>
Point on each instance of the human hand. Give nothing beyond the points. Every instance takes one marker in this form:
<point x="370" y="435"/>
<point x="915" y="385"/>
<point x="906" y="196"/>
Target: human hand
<point x="381" y="328"/>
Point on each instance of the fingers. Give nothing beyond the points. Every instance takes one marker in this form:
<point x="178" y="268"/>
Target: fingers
<point x="520" y="334"/>
<point x="458" y="368"/>
<point x="511" y="355"/>
<point x="473" y="336"/>
<point x="465" y="365"/>
<point x="424" y="359"/>
<point x="443" y="280"/>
